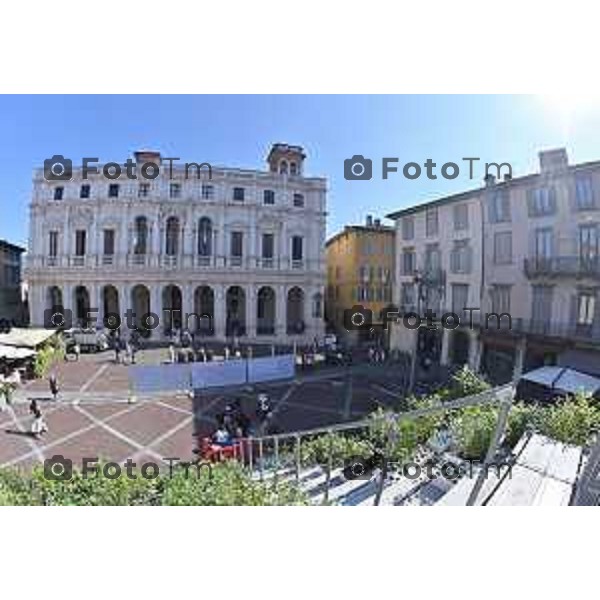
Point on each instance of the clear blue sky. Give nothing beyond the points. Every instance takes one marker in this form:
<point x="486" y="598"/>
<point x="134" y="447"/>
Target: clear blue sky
<point x="237" y="131"/>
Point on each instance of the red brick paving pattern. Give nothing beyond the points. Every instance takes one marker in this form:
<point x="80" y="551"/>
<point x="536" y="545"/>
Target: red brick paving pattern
<point x="161" y="427"/>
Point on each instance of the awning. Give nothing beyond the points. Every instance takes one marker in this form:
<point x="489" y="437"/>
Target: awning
<point x="563" y="380"/>
<point x="12" y="353"/>
<point x="26" y="337"/>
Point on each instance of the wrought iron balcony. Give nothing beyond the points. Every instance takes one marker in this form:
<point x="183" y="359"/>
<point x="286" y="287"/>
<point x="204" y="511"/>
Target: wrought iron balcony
<point x="562" y="266"/>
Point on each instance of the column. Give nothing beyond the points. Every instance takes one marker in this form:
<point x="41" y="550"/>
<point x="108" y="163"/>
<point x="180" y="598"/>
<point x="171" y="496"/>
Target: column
<point x="280" y="311"/>
<point x="220" y="311"/>
<point x="92" y="289"/>
<point x="250" y="311"/>
<point x="519" y="358"/>
<point x="187" y="306"/>
<point x="474" y="351"/>
<point x="37" y="305"/>
<point x="445" y="354"/>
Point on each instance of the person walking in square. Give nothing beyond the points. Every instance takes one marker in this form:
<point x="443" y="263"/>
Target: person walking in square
<point x="53" y="383"/>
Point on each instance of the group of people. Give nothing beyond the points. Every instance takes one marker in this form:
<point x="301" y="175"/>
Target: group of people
<point x="125" y="350"/>
<point x="234" y="424"/>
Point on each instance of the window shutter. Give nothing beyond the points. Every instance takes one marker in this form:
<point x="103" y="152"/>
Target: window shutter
<point x="530" y="203"/>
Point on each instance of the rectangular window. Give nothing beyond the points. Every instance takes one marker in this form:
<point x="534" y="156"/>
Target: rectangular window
<point x="460" y="298"/>
<point x="113" y="190"/>
<point x="541" y="201"/>
<point x="208" y="191"/>
<point x="175" y="190"/>
<point x="268" y="245"/>
<point x="407" y="296"/>
<point x="80" y="239"/>
<point x="431" y="222"/>
<point x="53" y="244"/>
<point x="408" y="228"/>
<point x="544" y="242"/>
<point x="237" y="244"/>
<point x="297" y="250"/>
<point x="238" y="194"/>
<point x="499" y="207"/>
<point x="298" y="200"/>
<point x="588" y="242"/>
<point x="409" y="262"/>
<point x="541" y="310"/>
<point x="143" y="190"/>
<point x="109" y="242"/>
<point x="584" y="191"/>
<point x="461" y="257"/>
<point x="503" y="248"/>
<point x="500" y="296"/>
<point x="461" y="216"/>
<point x="58" y="193"/>
<point x="433" y="257"/>
<point x="84" y="192"/>
<point x="268" y="197"/>
<point x="586" y="305"/>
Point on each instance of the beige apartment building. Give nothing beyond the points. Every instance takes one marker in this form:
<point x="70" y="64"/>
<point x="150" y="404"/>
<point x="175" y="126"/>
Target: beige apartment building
<point x="526" y="246"/>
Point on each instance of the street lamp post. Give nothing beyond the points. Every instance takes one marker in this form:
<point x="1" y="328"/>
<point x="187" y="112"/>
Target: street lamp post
<point x="418" y="281"/>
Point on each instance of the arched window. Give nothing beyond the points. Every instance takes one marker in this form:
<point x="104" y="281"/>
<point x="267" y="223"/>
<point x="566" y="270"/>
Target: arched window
<point x="293" y="168"/>
<point x="172" y="235"/>
<point x="283" y="167"/>
<point x="204" y="237"/>
<point x="140" y="236"/>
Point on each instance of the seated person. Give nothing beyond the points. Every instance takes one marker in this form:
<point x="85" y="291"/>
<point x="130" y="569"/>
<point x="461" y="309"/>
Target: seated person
<point x="222" y="437"/>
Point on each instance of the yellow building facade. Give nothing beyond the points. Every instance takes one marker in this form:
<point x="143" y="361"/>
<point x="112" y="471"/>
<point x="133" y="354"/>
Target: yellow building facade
<point x="360" y="271"/>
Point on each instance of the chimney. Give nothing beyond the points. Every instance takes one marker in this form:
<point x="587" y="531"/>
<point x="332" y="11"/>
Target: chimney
<point x="369" y="221"/>
<point x="490" y="180"/>
<point x="145" y="156"/>
<point x="554" y="160"/>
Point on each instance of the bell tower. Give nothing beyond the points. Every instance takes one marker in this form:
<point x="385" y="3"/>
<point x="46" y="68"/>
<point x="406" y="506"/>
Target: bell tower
<point x="286" y="160"/>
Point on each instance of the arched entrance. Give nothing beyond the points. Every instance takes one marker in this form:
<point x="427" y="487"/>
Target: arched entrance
<point x="295" y="311"/>
<point x="110" y="306"/>
<point x="265" y="311"/>
<point x="171" y="308"/>
<point x="236" y="311"/>
<point x="204" y="309"/>
<point x="82" y="306"/>
<point x="54" y="297"/>
<point x="140" y="305"/>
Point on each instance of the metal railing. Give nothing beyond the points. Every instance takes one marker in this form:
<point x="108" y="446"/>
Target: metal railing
<point x="272" y="454"/>
<point x="562" y="266"/>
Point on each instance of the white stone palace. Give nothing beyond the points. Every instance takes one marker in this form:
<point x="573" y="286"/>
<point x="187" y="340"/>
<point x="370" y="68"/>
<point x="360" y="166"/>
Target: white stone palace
<point x="243" y="247"/>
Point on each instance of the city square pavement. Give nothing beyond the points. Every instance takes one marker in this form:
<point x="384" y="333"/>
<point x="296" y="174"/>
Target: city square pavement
<point x="94" y="417"/>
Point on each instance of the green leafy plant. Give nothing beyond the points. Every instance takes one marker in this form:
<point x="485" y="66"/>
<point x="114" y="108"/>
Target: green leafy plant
<point x="224" y="484"/>
<point x="572" y="421"/>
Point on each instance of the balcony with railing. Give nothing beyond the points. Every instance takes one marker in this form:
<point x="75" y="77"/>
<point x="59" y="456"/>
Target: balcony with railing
<point x="562" y="266"/>
<point x="177" y="261"/>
